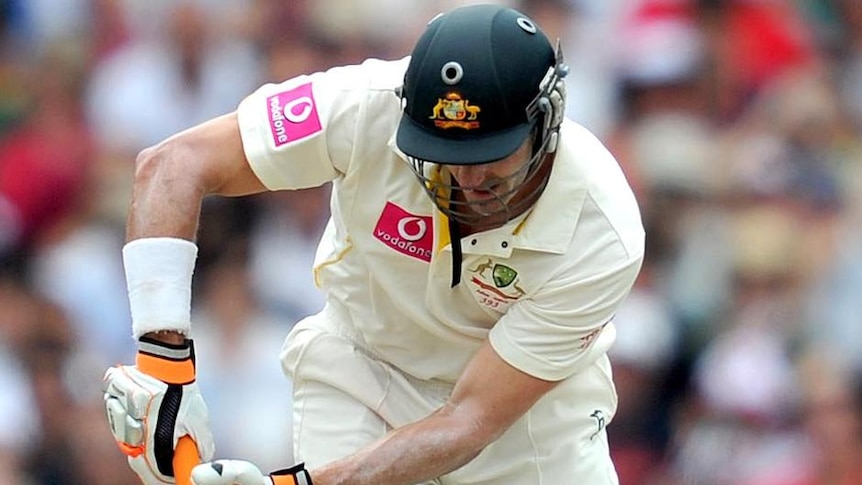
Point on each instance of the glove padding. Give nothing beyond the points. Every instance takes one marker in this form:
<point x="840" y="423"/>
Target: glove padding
<point x="238" y="472"/>
<point x="152" y="404"/>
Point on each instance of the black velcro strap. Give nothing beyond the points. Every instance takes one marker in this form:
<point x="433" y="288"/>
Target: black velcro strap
<point x="298" y="472"/>
<point x="165" y="350"/>
<point x="163" y="446"/>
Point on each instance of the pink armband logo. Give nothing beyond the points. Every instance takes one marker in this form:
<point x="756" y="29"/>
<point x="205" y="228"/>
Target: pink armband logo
<point x="293" y="115"/>
<point x="405" y="232"/>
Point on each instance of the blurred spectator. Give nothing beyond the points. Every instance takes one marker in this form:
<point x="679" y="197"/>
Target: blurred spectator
<point x="37" y="335"/>
<point x="82" y="273"/>
<point x="45" y="157"/>
<point x="666" y="141"/>
<point x="47" y="182"/>
<point x="283" y="245"/>
<point x="156" y="86"/>
<point x="794" y="145"/>
<point x="746" y="392"/>
<point x="45" y="351"/>
<point x="109" y="29"/>
<point x="18" y="425"/>
<point x="660" y="43"/>
<point x="147" y="19"/>
<point x="850" y="67"/>
<point x="643" y="357"/>
<point x="749" y="44"/>
<point x="38" y="25"/>
<point x="356" y="25"/>
<point x="832" y="419"/>
<point x="683" y="199"/>
<point x="834" y="308"/>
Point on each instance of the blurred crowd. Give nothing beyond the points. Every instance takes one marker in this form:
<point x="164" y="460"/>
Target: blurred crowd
<point x="738" y="122"/>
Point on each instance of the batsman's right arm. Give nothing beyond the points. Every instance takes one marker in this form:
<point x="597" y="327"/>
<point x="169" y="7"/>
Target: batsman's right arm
<point x="172" y="178"/>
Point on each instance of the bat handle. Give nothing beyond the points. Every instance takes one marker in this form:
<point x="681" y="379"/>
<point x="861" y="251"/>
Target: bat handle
<point x="185" y="458"/>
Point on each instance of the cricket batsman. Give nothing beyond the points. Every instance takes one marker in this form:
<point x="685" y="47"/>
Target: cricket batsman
<point x="478" y="248"/>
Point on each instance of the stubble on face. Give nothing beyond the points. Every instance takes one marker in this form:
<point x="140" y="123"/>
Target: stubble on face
<point x="489" y="186"/>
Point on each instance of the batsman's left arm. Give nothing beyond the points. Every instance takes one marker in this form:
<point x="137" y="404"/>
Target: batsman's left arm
<point x="477" y="413"/>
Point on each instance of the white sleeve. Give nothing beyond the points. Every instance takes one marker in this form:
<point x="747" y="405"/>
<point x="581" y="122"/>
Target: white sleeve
<point x="567" y="323"/>
<point x="302" y="132"/>
<point x="567" y="326"/>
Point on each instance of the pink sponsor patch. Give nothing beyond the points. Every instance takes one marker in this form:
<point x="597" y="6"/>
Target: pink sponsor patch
<point x="405" y="232"/>
<point x="293" y="115"/>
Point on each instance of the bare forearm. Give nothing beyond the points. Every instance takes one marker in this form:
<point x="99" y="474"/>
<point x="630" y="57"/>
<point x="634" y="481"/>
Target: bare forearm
<point x="420" y="451"/>
<point x="167" y="336"/>
<point x="172" y="178"/>
<point x="164" y="203"/>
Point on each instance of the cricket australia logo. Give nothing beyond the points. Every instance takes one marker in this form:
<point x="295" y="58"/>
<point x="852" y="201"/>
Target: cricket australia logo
<point x="495" y="285"/>
<point x="454" y="112"/>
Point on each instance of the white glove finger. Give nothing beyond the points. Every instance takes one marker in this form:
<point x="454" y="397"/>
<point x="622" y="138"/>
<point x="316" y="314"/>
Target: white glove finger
<point x="116" y="416"/>
<point x="116" y="383"/>
<point x="127" y="394"/>
<point x="125" y="428"/>
<point x="134" y="431"/>
<point x="108" y="377"/>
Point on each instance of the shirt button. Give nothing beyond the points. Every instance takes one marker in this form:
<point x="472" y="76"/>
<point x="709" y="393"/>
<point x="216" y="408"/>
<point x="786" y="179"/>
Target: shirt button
<point x="473" y="242"/>
<point x="505" y="244"/>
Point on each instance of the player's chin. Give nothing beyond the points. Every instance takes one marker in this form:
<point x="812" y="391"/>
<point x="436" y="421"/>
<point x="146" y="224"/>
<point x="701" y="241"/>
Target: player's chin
<point x="491" y="208"/>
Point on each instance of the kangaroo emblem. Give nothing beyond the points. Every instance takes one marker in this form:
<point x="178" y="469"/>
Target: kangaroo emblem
<point x="481" y="268"/>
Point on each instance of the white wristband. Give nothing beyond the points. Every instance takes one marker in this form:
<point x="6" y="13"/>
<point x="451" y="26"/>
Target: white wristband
<point x="159" y="280"/>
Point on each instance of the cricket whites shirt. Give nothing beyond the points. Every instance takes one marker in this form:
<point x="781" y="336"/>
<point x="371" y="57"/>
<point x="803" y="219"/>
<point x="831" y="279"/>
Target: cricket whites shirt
<point x="543" y="288"/>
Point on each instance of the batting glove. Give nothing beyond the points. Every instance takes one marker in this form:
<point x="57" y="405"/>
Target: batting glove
<point x="237" y="472"/>
<point x="152" y="404"/>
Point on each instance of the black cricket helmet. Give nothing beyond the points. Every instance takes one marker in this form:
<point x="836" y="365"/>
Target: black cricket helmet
<point x="481" y="80"/>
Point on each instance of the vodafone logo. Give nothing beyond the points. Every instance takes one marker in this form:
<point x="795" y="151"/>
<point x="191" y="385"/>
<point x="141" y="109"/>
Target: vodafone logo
<point x="298" y="110"/>
<point x="293" y="115"/>
<point x="407" y="233"/>
<point x="412" y="228"/>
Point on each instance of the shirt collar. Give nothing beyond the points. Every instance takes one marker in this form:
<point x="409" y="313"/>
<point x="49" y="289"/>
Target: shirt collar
<point x="550" y="226"/>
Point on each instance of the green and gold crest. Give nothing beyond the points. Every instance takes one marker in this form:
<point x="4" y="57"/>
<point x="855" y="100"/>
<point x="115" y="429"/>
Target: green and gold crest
<point x="503" y="275"/>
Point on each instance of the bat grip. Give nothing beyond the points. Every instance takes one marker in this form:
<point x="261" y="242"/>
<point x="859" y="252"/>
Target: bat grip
<point x="185" y="458"/>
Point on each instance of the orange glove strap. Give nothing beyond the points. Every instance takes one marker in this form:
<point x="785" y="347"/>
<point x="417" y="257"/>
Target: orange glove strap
<point x="172" y="364"/>
<point x="283" y="480"/>
<point x="170" y="371"/>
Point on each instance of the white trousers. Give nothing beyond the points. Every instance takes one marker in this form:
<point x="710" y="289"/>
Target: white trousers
<point x="344" y="398"/>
